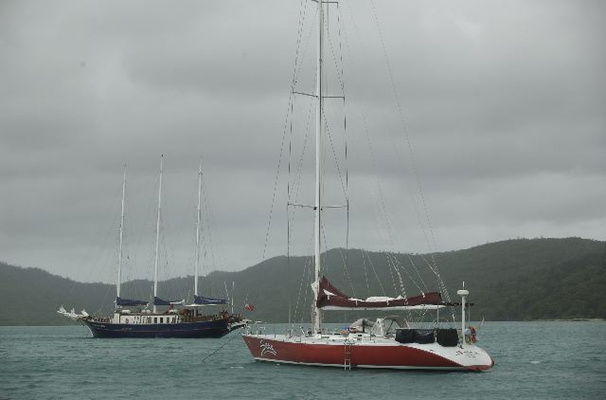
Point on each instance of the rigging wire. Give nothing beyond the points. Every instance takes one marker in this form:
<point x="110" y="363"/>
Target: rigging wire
<point x="294" y="190"/>
<point x="209" y="227"/>
<point x="295" y="175"/>
<point x="365" y="270"/>
<point x="296" y="72"/>
<point x="335" y="158"/>
<point x="337" y="59"/>
<point x="374" y="270"/>
<point x="393" y="262"/>
<point x="413" y="163"/>
<point x="429" y="238"/>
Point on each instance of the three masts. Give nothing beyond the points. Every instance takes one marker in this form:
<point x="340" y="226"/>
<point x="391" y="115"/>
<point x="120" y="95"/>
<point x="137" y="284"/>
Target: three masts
<point x="132" y="318"/>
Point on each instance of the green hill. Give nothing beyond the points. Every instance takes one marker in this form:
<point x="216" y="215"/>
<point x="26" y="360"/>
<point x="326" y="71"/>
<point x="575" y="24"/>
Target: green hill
<point x="518" y="279"/>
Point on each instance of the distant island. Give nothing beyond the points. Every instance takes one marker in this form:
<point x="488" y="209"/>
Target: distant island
<point x="521" y="279"/>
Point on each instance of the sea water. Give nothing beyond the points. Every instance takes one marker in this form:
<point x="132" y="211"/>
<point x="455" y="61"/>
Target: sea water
<point x="534" y="360"/>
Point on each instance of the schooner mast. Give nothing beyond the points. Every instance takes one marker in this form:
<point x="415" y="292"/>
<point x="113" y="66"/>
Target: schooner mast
<point x="198" y="218"/>
<point x="156" y="256"/>
<point x="119" y="280"/>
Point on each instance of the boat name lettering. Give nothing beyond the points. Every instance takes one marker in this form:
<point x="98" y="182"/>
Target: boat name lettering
<point x="466" y="353"/>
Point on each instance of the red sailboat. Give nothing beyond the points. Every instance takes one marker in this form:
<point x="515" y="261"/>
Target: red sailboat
<point x="387" y="342"/>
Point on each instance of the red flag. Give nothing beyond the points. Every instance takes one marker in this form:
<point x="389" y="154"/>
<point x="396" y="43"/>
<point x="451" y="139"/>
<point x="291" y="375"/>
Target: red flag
<point x="249" y="307"/>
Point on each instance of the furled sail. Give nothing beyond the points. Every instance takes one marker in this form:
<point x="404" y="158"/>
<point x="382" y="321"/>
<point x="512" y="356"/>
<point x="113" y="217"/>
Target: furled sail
<point x="201" y="300"/>
<point x="130" y="303"/>
<point x="331" y="298"/>
<point x="160" y="302"/>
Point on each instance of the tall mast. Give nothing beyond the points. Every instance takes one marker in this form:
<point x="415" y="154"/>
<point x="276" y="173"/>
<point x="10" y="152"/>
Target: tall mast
<point x="317" y="312"/>
<point x="119" y="281"/>
<point x="199" y="212"/>
<point x="156" y="257"/>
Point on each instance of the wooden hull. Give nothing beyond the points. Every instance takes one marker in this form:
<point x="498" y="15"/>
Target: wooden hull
<point x="204" y="329"/>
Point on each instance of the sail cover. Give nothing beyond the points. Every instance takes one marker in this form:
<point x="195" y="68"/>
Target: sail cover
<point x="160" y="302"/>
<point x="201" y="300"/>
<point x="130" y="303"/>
<point x="329" y="297"/>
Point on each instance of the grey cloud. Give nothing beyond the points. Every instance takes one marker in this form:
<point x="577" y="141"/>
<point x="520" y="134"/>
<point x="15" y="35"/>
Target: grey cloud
<point x="503" y="102"/>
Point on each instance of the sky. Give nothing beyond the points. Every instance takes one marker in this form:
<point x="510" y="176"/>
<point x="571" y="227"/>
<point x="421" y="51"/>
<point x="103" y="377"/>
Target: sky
<point x="468" y="122"/>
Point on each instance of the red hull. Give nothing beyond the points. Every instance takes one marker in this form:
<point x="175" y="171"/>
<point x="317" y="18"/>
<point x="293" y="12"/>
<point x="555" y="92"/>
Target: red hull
<point x="392" y="356"/>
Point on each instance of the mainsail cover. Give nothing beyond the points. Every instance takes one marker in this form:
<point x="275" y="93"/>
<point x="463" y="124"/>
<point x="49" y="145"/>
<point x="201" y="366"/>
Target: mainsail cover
<point x="160" y="302"/>
<point x="201" y="300"/>
<point x="129" y="302"/>
<point x="329" y="297"/>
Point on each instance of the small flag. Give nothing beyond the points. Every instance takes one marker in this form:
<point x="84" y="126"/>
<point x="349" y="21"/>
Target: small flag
<point x="249" y="307"/>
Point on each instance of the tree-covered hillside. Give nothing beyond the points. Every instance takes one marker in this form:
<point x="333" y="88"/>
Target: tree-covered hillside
<point x="510" y="280"/>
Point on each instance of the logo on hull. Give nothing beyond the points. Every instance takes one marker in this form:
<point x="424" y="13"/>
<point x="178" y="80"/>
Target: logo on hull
<point x="267" y="348"/>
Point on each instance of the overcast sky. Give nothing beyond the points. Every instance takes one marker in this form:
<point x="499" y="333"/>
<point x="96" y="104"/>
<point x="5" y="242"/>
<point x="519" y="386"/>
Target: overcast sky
<point x="504" y="103"/>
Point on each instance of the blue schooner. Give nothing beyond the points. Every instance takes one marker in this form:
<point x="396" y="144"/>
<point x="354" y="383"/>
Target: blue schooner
<point x="176" y="319"/>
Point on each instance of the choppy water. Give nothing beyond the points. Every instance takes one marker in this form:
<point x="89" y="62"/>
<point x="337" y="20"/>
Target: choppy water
<point x="535" y="360"/>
